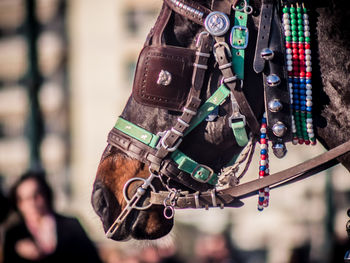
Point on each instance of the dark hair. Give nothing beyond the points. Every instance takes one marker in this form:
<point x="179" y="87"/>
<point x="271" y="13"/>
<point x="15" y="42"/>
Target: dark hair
<point x="44" y="188"/>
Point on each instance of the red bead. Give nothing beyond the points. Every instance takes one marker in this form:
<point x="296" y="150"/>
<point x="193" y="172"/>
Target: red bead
<point x="301" y="141"/>
<point x="263" y="157"/>
<point x="301" y="51"/>
<point x="264" y="125"/>
<point x="288" y="45"/>
<point x="307" y="46"/>
<point x="302" y="74"/>
<point x="262" y="173"/>
<point x="307" y="142"/>
<point x="295" y="51"/>
<point x="313" y="142"/>
<point x="295" y="56"/>
<point x="308" y="74"/>
<point x="301" y="45"/>
<point x="260" y="203"/>
<point x="263" y="141"/>
<point x="267" y="194"/>
<point x="301" y="57"/>
<point x="294" y="45"/>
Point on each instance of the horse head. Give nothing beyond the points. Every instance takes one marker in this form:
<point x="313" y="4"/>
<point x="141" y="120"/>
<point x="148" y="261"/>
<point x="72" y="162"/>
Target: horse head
<point x="190" y="115"/>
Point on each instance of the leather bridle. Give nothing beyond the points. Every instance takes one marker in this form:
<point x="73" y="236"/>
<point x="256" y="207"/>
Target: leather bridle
<point x="159" y="151"/>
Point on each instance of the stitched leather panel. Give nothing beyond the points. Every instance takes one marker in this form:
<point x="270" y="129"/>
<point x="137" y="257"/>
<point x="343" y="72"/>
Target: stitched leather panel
<point x="149" y="90"/>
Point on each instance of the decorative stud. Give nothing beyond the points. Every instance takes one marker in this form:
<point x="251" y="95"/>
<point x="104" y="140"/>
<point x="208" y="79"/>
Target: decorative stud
<point x="217" y="23"/>
<point x="267" y="54"/>
<point x="279" y="149"/>
<point x="279" y="129"/>
<point x="275" y="105"/>
<point x="273" y="80"/>
<point x="164" y="78"/>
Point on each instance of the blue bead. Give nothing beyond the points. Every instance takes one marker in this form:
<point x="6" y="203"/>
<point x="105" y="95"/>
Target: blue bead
<point x="296" y="107"/>
<point x="290" y="80"/>
<point x="262" y="168"/>
<point x="302" y="91"/>
<point x="296" y="80"/>
<point x="308" y="81"/>
<point x="263" y="120"/>
<point x="309" y="109"/>
<point x="302" y="86"/>
<point x="261" y="198"/>
<point x="297" y="101"/>
<point x="302" y="108"/>
<point x="302" y="97"/>
<point x="263" y="151"/>
<point x="263" y="135"/>
<point x="296" y="86"/>
<point x="302" y="80"/>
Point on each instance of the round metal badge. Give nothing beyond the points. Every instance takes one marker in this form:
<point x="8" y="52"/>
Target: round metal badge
<point x="217" y="23"/>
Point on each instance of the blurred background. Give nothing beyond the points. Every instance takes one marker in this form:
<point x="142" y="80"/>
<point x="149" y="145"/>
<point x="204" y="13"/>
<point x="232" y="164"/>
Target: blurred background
<point x="66" y="71"/>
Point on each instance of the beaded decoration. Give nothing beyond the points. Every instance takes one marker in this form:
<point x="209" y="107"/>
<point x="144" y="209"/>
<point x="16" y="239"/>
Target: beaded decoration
<point x="298" y="55"/>
<point x="264" y="194"/>
<point x="295" y="22"/>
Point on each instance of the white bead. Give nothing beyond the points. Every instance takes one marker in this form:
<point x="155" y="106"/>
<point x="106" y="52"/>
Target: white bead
<point x="308" y="63"/>
<point x="310" y="130"/>
<point x="308" y="97"/>
<point x="311" y="135"/>
<point x="263" y="130"/>
<point x="306" y="33"/>
<point x="262" y="162"/>
<point x="286" y="27"/>
<point x="290" y="68"/>
<point x="289" y="51"/>
<point x="289" y="57"/>
<point x="286" y="21"/>
<point x="263" y="146"/>
<point x="308" y="92"/>
<point x="308" y="52"/>
<point x="306" y="16"/>
<point x="306" y="28"/>
<point x="285" y="15"/>
<point x="307" y="57"/>
<point x="261" y="194"/>
<point x="290" y="85"/>
<point x="288" y="33"/>
<point x="289" y="62"/>
<point x="309" y="69"/>
<point x="264" y="115"/>
<point x="267" y="189"/>
<point x="309" y="120"/>
<point x="309" y="103"/>
<point x="309" y="125"/>
<point x="267" y="171"/>
<point x="308" y="86"/>
<point x="306" y="22"/>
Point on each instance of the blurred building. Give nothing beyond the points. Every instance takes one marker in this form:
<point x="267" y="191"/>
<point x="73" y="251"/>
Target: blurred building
<point x="87" y="51"/>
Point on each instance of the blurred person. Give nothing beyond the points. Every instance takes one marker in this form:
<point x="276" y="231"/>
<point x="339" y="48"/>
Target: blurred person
<point x="42" y="235"/>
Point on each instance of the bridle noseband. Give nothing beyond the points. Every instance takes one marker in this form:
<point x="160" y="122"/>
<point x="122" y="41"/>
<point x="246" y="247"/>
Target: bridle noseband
<point x="160" y="151"/>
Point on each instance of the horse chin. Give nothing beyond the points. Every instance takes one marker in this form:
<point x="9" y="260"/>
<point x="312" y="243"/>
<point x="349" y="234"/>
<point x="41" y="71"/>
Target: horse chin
<point x="144" y="225"/>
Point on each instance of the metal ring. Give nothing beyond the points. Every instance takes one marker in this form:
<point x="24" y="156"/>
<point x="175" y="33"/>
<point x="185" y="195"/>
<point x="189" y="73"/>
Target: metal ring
<point x="248" y="9"/>
<point x="127" y="184"/>
<point x="240" y="9"/>
<point x="172" y="212"/>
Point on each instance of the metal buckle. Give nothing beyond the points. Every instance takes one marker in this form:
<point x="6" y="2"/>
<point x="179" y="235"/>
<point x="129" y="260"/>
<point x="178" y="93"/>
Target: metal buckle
<point x="161" y="143"/>
<point x="211" y="171"/>
<point x="236" y="115"/>
<point x="246" y="38"/>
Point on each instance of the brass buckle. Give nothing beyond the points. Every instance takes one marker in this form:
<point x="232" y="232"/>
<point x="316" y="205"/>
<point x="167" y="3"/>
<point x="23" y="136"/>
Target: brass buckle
<point x="210" y="176"/>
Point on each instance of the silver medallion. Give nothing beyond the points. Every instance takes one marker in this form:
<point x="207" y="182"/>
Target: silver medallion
<point x="164" y="78"/>
<point x="217" y="23"/>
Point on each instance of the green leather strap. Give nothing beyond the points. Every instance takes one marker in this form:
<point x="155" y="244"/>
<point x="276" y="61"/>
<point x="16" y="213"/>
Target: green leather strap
<point x="240" y="133"/>
<point x="137" y="132"/>
<point x="239" y="40"/>
<point x="201" y="173"/>
<point x="215" y="100"/>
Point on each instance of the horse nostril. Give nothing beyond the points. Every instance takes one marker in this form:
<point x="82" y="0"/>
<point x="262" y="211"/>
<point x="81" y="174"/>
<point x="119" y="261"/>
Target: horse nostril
<point x="99" y="201"/>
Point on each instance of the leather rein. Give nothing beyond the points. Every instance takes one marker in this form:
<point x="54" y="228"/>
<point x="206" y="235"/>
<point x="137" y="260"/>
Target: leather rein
<point x="160" y="151"/>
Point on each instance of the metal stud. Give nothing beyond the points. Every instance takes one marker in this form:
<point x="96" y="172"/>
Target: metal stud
<point x="275" y="105"/>
<point x="267" y="54"/>
<point x="164" y="78"/>
<point x="279" y="129"/>
<point x="273" y="80"/>
<point x="279" y="149"/>
<point x="217" y="23"/>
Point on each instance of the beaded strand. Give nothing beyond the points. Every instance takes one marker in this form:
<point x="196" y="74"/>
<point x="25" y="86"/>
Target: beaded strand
<point x="264" y="194"/>
<point x="298" y="56"/>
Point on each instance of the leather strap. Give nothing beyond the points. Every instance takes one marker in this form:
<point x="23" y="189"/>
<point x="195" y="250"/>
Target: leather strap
<point x="230" y="81"/>
<point x="230" y="197"/>
<point x="263" y="34"/>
